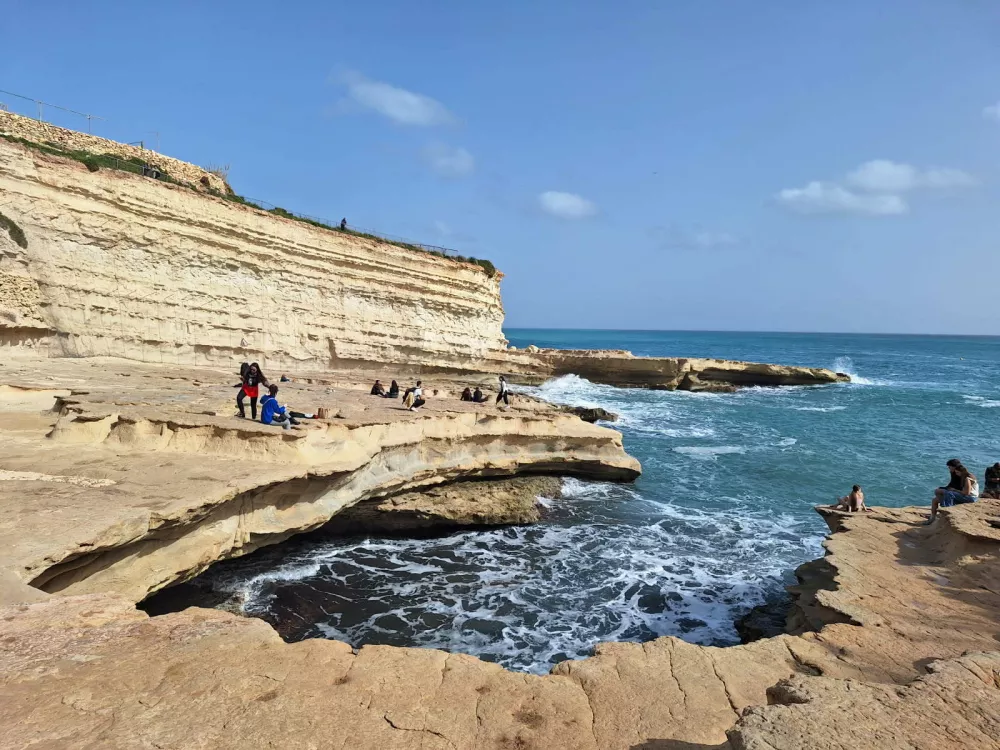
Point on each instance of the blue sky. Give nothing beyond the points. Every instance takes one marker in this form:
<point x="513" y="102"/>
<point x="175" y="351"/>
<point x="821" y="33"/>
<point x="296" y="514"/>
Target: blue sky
<point x="780" y="165"/>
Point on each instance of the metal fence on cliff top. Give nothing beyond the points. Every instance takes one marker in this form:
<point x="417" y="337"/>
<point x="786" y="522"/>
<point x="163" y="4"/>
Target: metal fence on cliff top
<point x="127" y="166"/>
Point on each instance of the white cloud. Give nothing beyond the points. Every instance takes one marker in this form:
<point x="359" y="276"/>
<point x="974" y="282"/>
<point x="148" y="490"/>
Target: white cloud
<point x="830" y="198"/>
<point x="399" y="105"/>
<point x="693" y="239"/>
<point x="566" y="205"/>
<point x="884" y="176"/>
<point x="449" y="161"/>
<point x="992" y="112"/>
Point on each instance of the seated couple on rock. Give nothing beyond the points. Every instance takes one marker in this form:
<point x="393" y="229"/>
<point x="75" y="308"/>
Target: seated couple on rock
<point x="379" y="390"/>
<point x="477" y="398"/>
<point x="854" y="502"/>
<point x="271" y="412"/>
<point x="962" y="488"/>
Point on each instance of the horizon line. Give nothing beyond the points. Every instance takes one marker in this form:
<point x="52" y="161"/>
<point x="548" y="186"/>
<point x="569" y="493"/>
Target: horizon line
<point x="720" y="330"/>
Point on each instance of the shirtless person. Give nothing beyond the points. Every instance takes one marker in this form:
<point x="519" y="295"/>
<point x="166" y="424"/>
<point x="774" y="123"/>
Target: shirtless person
<point x="854" y="502"/>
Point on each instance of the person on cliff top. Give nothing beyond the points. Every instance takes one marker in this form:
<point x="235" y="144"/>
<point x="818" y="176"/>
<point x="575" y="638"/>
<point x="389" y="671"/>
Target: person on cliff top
<point x="393" y="390"/>
<point x="854" y="502"/>
<point x="504" y="394"/>
<point x="478" y="396"/>
<point x="467" y="394"/>
<point x="946" y="497"/>
<point x="271" y="412"/>
<point x="251" y="378"/>
<point x="378" y="389"/>
<point x="343" y="224"/>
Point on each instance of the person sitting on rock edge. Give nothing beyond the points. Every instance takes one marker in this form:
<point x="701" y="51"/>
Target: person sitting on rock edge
<point x="946" y="497"/>
<point x="478" y="396"/>
<point x="467" y="394"/>
<point x="250" y="379"/>
<point x="393" y="390"/>
<point x="378" y="389"/>
<point x="271" y="412"/>
<point x="853" y="502"/>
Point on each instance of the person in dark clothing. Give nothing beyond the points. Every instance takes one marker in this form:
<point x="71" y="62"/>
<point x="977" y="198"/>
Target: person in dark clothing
<point x="378" y="389"/>
<point x="343" y="224"/>
<point x="504" y="394"/>
<point x="250" y="380"/>
<point x="478" y="396"/>
<point x="467" y="394"/>
<point x="393" y="390"/>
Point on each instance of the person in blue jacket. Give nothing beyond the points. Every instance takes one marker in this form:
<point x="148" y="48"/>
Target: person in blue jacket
<point x="271" y="412"/>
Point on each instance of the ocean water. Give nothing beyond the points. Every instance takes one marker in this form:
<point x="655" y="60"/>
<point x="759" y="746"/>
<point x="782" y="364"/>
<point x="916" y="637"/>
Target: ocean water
<point x="719" y="519"/>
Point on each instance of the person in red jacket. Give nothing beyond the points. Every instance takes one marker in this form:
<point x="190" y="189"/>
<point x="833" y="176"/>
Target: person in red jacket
<point x="251" y="378"/>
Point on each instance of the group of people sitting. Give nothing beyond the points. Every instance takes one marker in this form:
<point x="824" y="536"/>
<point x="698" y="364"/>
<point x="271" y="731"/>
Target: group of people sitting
<point x="963" y="487"/>
<point x="271" y="412"/>
<point x="413" y="398"/>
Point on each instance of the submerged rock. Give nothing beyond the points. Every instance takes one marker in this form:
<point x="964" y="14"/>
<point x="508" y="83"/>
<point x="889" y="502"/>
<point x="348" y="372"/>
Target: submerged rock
<point x="592" y="414"/>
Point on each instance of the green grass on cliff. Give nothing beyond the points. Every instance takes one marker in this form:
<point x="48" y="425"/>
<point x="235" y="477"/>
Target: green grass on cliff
<point x="96" y="162"/>
<point x="15" y="232"/>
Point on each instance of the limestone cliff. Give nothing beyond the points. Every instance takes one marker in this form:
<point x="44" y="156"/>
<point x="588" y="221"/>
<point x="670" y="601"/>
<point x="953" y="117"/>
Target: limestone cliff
<point x="118" y="264"/>
<point x="111" y="263"/>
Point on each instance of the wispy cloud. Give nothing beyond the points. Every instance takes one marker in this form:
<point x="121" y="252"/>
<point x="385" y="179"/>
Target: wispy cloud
<point x="873" y="189"/>
<point x="830" y="198"/>
<point x="680" y="238"/>
<point x="566" y="205"/>
<point x="449" y="161"/>
<point x="884" y="176"/>
<point x="399" y="105"/>
<point x="992" y="112"/>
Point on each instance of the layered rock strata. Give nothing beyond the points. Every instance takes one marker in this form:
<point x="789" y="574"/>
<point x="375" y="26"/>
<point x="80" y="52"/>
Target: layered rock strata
<point x="139" y="487"/>
<point x="111" y="263"/>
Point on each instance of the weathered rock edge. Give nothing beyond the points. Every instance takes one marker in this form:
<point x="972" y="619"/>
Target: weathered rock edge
<point x="91" y="671"/>
<point x="328" y="469"/>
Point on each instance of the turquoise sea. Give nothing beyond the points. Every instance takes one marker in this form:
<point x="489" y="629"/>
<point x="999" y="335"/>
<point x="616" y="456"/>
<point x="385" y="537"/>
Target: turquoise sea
<point x="716" y="524"/>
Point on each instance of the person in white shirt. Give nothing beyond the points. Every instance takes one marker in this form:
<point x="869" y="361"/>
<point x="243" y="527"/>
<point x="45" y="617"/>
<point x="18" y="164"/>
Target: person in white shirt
<point x="504" y="394"/>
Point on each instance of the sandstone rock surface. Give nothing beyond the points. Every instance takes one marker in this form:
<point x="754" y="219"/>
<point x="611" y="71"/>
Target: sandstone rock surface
<point x="125" y="497"/>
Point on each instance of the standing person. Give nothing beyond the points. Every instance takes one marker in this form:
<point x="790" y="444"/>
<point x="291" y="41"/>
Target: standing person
<point x="251" y="379"/>
<point x="504" y="394"/>
<point x="343" y="224"/>
<point x="946" y="497"/>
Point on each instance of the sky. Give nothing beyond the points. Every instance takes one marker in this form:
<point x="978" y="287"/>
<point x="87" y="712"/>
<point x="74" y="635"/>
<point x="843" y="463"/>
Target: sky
<point x="688" y="164"/>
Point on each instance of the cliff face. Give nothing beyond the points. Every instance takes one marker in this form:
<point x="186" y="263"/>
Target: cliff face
<point x="118" y="264"/>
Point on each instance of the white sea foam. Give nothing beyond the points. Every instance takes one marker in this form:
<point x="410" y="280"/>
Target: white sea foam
<point x="819" y="408"/>
<point x="531" y="596"/>
<point x="708" y="452"/>
<point x="846" y="366"/>
<point x="982" y="402"/>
